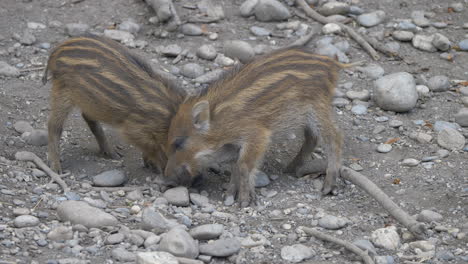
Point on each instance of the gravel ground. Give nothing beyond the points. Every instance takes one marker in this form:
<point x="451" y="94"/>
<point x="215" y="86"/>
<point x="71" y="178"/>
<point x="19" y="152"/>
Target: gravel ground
<point x="404" y="121"/>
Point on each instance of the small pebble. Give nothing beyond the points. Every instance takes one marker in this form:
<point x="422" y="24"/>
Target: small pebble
<point x="384" y="148"/>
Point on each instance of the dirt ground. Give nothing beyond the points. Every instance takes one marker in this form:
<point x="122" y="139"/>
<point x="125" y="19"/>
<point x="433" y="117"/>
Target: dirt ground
<point x="441" y="188"/>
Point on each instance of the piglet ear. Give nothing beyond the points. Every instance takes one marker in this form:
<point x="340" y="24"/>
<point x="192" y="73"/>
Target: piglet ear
<point x="201" y="116"/>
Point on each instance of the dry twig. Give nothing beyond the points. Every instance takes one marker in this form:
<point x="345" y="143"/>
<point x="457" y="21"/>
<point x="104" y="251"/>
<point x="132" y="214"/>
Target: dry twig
<point x="324" y="20"/>
<point x="416" y="228"/>
<point x="123" y="188"/>
<point x="322" y="236"/>
<point x="29" y="156"/>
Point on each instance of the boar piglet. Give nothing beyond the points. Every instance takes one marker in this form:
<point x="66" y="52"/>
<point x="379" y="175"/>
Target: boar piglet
<point x="110" y="84"/>
<point x="238" y="117"/>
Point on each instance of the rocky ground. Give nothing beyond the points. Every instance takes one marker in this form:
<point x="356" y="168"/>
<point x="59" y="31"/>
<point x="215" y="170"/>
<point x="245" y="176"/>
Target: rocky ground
<point x="404" y="123"/>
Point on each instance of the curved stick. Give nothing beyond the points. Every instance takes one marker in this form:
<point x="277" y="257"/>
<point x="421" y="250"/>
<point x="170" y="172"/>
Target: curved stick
<point x="29" y="156"/>
<point x="416" y="228"/>
<point x="322" y="236"/>
<point x="324" y="20"/>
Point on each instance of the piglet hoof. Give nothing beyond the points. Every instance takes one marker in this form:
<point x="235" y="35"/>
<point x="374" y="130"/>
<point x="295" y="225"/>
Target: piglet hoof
<point x="114" y="155"/>
<point x="327" y="189"/>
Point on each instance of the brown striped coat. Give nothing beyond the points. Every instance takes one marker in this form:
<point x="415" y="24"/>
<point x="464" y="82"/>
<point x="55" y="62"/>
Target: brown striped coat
<point x="236" y="119"/>
<point x="109" y="84"/>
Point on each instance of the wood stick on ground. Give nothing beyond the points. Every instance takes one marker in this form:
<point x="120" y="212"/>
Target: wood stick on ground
<point x="418" y="229"/>
<point x="304" y="39"/>
<point x="29" y="156"/>
<point x="322" y="236"/>
<point x="124" y="188"/>
<point x="32" y="69"/>
<point x="353" y="34"/>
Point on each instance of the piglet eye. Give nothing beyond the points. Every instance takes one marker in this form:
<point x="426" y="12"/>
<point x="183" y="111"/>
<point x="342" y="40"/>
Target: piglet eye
<point x="179" y="143"/>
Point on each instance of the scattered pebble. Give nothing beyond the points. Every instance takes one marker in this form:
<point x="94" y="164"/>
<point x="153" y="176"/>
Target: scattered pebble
<point x="429" y="216"/>
<point x="191" y="30"/>
<point x="260" y="31"/>
<point x="25" y="221"/>
<point x="439" y="83"/>
<point x="384" y="148"/>
<point x="221" y="248"/>
<point x="192" y="70"/>
<point x="36" y="137"/>
<point x="396" y="92"/>
<point x="451" y="139"/>
<point x="22" y="126"/>
<point x="7" y="70"/>
<point x="78" y="212"/>
<point x="207" y="232"/>
<point x="333" y="222"/>
<point x="76" y="29"/>
<point x="386" y="238"/>
<point x="110" y="178"/>
<point x="179" y="243"/>
<point x="129" y="26"/>
<point x="373" y="71"/>
<point x="334" y="8"/>
<point x="403" y="35"/>
<point x="296" y="253"/>
<point x="118" y="35"/>
<point x="359" y="109"/>
<point x="156" y="257"/>
<point x="178" y="196"/>
<point x="365" y="244"/>
<point x="207" y="52"/>
<point x="441" y="42"/>
<point x="410" y="162"/>
<point x="462" y="117"/>
<point x="261" y="179"/>
<point x="423" y="42"/>
<point x="371" y="19"/>
<point x="239" y="49"/>
<point x="270" y="10"/>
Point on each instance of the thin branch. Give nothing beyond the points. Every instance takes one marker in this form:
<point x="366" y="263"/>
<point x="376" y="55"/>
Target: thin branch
<point x="304" y="39"/>
<point x="353" y="34"/>
<point x="123" y="188"/>
<point x="29" y="156"/>
<point x="322" y="236"/>
<point x="32" y="69"/>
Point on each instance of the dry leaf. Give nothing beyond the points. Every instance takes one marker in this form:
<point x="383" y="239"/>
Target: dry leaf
<point x="450" y="10"/>
<point x="464" y="83"/>
<point x="396" y="181"/>
<point x="391" y="140"/>
<point x="204" y="29"/>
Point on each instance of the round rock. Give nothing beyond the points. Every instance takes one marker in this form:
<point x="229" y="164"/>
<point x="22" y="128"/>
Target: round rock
<point x="271" y="10"/>
<point x="239" y="49"/>
<point x="115" y="239"/>
<point x="110" y="178"/>
<point x="60" y="233"/>
<point x="332" y="222"/>
<point x="396" y="92"/>
<point x="37" y="137"/>
<point x="22" y="126"/>
<point x="199" y="199"/>
<point x="78" y="212"/>
<point x="441" y="42"/>
<point x="403" y="35"/>
<point x="428" y="216"/>
<point x="25" y="221"/>
<point x="373" y="71"/>
<point x="424" y="43"/>
<point x="179" y="243"/>
<point x="76" y="29"/>
<point x="463" y="45"/>
<point x="384" y="148"/>
<point x="260" y="31"/>
<point x="451" y="139"/>
<point x="8" y="70"/>
<point x="210" y="76"/>
<point x="439" y="83"/>
<point x="359" y="109"/>
<point x="221" y="248"/>
<point x="296" y="253"/>
<point x="462" y="117"/>
<point x="178" y="196"/>
<point x="123" y="255"/>
<point x="261" y="179"/>
<point x="191" y="30"/>
<point x="207" y="52"/>
<point x="206" y="232"/>
<point x="363" y="95"/>
<point x="334" y="8"/>
<point x="129" y="26"/>
<point x="387" y="238"/>
<point x="192" y="70"/>
<point x="371" y="19"/>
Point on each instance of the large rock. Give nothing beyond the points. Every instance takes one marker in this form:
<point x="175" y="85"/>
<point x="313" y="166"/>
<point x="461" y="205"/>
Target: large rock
<point x="178" y="196"/>
<point x="387" y="238"/>
<point x="239" y="49"/>
<point x="206" y="232"/>
<point x="424" y="42"/>
<point x="396" y="92"/>
<point x="451" y="139"/>
<point x="78" y="212"/>
<point x="221" y="248"/>
<point x="439" y="83"/>
<point x="179" y="243"/>
<point x="271" y="10"/>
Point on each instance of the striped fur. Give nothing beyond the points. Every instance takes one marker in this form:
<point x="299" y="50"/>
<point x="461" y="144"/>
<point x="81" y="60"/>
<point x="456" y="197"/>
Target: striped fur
<point x="251" y="106"/>
<point x="111" y="85"/>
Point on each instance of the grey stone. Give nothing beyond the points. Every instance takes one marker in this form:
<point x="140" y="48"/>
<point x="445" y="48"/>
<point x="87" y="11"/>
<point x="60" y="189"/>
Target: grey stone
<point x="223" y="60"/>
<point x="462" y="117"/>
<point x="8" y="70"/>
<point x="172" y="50"/>
<point x="25" y="221"/>
<point x="450" y="139"/>
<point x="333" y="222"/>
<point x="135" y="239"/>
<point x="135" y="195"/>
<point x="406" y="25"/>
<point x="271" y="10"/>
<point x="429" y="216"/>
<point x="260" y="31"/>
<point x="22" y="126"/>
<point x="439" y="24"/>
<point x="392" y="46"/>
<point x="78" y="212"/>
<point x="419" y="19"/>
<point x="115" y="239"/>
<point x="212" y="10"/>
<point x="334" y="8"/>
<point x="207" y="52"/>
<point x="296" y="253"/>
<point x="221" y="248"/>
<point x="445" y="255"/>
<point x="248" y="7"/>
<point x="422" y="90"/>
<point x="423" y="42"/>
<point x="27" y="38"/>
<point x="118" y="35"/>
<point x="396" y="92"/>
<point x="384" y="148"/>
<point x="362" y="95"/>
<point x="443" y="153"/>
<point x="129" y="26"/>
<point x="384" y="260"/>
<point x="37" y="137"/>
<point x="342" y="45"/>
<point x="331" y="28"/>
<point x="441" y="42"/>
<point x="359" y="109"/>
<point x="395" y="123"/>
<point x="239" y="49"/>
<point x="151" y="241"/>
<point x="424" y="245"/>
<point x="365" y="244"/>
<point x="457" y="7"/>
<point x="463" y="45"/>
<point x="178" y="196"/>
<point x="76" y="29"/>
<point x="207" y="232"/>
<point x="410" y="162"/>
<point x="192" y="70"/>
<point x="373" y="71"/>
<point x="156" y="257"/>
<point x="441" y="125"/>
<point x="35" y="25"/>
<point x="155" y="221"/>
<point x="60" y="233"/>
<point x="179" y="243"/>
<point x="371" y="19"/>
<point x="191" y="30"/>
<point x="331" y="51"/>
<point x="386" y="238"/>
<point x="210" y="76"/>
<point x="199" y="199"/>
<point x="439" y="83"/>
<point x="356" y="10"/>
<point x="403" y="35"/>
<point x="110" y="178"/>
<point x="121" y="254"/>
<point x="261" y="179"/>
<point x="341" y="102"/>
